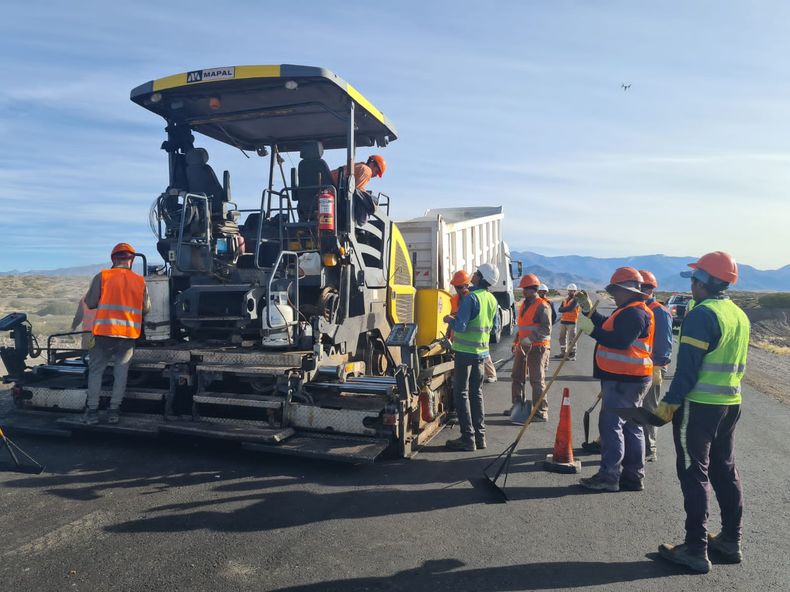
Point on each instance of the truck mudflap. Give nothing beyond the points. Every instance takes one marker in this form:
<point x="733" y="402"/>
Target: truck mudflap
<point x="287" y="441"/>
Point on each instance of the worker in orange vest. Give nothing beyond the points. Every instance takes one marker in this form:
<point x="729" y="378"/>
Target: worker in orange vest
<point x="569" y="314"/>
<point x="120" y="298"/>
<point x="623" y="363"/>
<point x="364" y="171"/>
<point x="662" y="356"/>
<point x="531" y="346"/>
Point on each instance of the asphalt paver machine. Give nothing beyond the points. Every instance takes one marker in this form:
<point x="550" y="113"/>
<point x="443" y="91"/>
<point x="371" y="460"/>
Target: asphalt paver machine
<point x="294" y="326"/>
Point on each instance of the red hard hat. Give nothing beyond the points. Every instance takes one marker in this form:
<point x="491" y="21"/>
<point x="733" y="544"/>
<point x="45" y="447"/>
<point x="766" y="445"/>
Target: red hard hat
<point x="460" y="278"/>
<point x="120" y="248"/>
<point x="529" y="281"/>
<point x="649" y="279"/>
<point x="380" y="162"/>
<point x="719" y="265"/>
<point x="627" y="278"/>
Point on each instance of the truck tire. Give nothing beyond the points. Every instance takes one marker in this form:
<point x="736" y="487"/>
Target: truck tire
<point x="508" y="329"/>
<point x="497" y="335"/>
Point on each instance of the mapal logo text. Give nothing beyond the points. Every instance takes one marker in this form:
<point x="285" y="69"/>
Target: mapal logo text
<point x="212" y="74"/>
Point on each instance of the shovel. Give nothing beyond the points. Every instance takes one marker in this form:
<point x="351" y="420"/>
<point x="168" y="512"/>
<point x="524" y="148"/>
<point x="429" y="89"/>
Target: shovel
<point x="36" y="469"/>
<point x="586" y="418"/>
<point x="507" y="454"/>
<point x="522" y="409"/>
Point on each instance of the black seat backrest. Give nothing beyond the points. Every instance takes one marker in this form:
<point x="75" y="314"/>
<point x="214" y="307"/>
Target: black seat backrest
<point x="201" y="177"/>
<point x="313" y="173"/>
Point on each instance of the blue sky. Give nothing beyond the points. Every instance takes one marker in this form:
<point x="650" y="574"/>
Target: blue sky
<point x="511" y="103"/>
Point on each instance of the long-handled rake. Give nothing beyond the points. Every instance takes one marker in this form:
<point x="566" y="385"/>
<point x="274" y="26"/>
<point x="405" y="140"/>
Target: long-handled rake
<point x="492" y="475"/>
<point x="36" y="469"/>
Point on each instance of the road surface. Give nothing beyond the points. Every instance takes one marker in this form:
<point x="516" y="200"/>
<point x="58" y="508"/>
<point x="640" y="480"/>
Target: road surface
<point x="173" y="515"/>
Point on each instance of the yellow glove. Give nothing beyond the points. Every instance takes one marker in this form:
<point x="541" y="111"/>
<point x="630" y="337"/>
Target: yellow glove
<point x="584" y="301"/>
<point x="658" y="376"/>
<point x="665" y="411"/>
<point x="585" y="324"/>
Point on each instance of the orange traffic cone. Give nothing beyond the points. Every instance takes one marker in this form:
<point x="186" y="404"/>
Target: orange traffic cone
<point x="562" y="460"/>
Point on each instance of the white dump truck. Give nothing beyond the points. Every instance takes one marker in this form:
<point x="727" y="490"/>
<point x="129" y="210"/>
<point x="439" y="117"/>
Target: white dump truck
<point x="446" y="240"/>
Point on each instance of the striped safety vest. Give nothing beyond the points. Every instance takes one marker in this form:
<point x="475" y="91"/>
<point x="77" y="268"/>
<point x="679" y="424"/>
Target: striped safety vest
<point x="478" y="331"/>
<point x="572" y="316"/>
<point x="120" y="310"/>
<point x="635" y="359"/>
<point x="527" y="326"/>
<point x="719" y="380"/>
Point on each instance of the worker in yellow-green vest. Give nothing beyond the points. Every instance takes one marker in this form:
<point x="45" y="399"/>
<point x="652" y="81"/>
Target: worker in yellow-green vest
<point x="704" y="404"/>
<point x="472" y="326"/>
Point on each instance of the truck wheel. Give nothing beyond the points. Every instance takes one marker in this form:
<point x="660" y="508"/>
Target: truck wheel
<point x="497" y="335"/>
<point x="508" y="329"/>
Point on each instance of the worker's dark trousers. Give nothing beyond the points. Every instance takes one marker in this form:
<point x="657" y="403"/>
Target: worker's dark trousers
<point x="705" y="446"/>
<point x="468" y="395"/>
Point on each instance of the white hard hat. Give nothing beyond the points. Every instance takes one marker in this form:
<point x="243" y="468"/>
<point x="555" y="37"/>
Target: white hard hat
<point x="489" y="273"/>
<point x="571" y="287"/>
<point x="543" y="288"/>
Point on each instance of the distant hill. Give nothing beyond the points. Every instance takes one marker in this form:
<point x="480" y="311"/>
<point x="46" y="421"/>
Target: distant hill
<point x="82" y="270"/>
<point x="558" y="280"/>
<point x="595" y="272"/>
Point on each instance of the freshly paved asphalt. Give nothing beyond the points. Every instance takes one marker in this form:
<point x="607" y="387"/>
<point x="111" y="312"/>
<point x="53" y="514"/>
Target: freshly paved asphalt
<point x="125" y="514"/>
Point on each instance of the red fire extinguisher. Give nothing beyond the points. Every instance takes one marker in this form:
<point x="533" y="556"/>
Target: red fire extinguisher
<point x="428" y="407"/>
<point x="326" y="211"/>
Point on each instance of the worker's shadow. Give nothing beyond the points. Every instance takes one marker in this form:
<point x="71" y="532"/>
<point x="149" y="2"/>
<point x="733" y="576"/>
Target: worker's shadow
<point x="447" y="574"/>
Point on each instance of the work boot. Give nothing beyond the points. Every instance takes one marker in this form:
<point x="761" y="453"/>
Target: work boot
<point x="681" y="555"/>
<point x="90" y="417"/>
<point x="728" y="549"/>
<point x="452" y="418"/>
<point x="560" y="355"/>
<point x="113" y="416"/>
<point x="490" y="379"/>
<point x="508" y="411"/>
<point x="651" y="455"/>
<point x="596" y="483"/>
<point x="467" y="445"/>
<point x="480" y="442"/>
<point x="572" y="358"/>
<point x="540" y="418"/>
<point x="631" y="485"/>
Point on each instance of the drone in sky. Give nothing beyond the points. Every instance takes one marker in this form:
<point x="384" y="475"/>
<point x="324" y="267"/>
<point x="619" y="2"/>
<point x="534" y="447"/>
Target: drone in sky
<point x="625" y="86"/>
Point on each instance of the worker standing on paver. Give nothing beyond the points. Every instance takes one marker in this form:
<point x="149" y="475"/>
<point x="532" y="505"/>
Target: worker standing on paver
<point x="662" y="356"/>
<point x="531" y="344"/>
<point x="120" y="299"/>
<point x="622" y="362"/>
<point x="704" y="404"/>
<point x="363" y="171"/>
<point x="472" y="326"/>
<point x="569" y="314"/>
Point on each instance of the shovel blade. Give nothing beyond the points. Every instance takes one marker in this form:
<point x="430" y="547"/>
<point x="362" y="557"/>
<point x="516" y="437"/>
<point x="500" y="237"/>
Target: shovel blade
<point x="520" y="412"/>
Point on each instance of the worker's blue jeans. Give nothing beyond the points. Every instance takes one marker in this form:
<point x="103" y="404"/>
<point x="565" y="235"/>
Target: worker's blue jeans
<point x="468" y="395"/>
<point x="622" y="442"/>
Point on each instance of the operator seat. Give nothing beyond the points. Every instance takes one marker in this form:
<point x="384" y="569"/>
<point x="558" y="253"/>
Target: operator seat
<point x="313" y="174"/>
<point x="201" y="178"/>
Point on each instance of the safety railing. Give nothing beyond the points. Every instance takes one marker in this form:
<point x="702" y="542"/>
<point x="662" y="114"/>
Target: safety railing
<point x="283" y="256"/>
<point x="202" y="243"/>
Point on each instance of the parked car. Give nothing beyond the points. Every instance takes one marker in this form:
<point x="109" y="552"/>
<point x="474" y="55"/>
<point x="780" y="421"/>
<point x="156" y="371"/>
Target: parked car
<point x="677" y="305"/>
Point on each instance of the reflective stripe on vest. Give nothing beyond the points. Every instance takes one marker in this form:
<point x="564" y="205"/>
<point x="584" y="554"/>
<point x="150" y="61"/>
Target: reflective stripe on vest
<point x="478" y="330"/>
<point x="721" y="372"/>
<point x="526" y="321"/>
<point x="572" y="316"/>
<point x="120" y="310"/>
<point x="635" y="360"/>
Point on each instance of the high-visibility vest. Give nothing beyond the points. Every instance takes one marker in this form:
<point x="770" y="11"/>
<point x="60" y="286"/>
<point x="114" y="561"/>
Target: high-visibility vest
<point x="478" y="331"/>
<point x="527" y="326"/>
<point x="572" y="316"/>
<point x="719" y="379"/>
<point x="635" y="359"/>
<point x="120" y="310"/>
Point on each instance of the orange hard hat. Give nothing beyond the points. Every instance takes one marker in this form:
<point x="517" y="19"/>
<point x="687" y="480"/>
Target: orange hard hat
<point x="121" y="249"/>
<point x="529" y="281"/>
<point x="718" y="265"/>
<point x="380" y="163"/>
<point x="648" y="279"/>
<point x="627" y="278"/>
<point x="460" y="278"/>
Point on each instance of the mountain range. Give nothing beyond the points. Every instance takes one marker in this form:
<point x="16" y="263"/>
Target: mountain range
<point x="594" y="273"/>
<point x="588" y="273"/>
